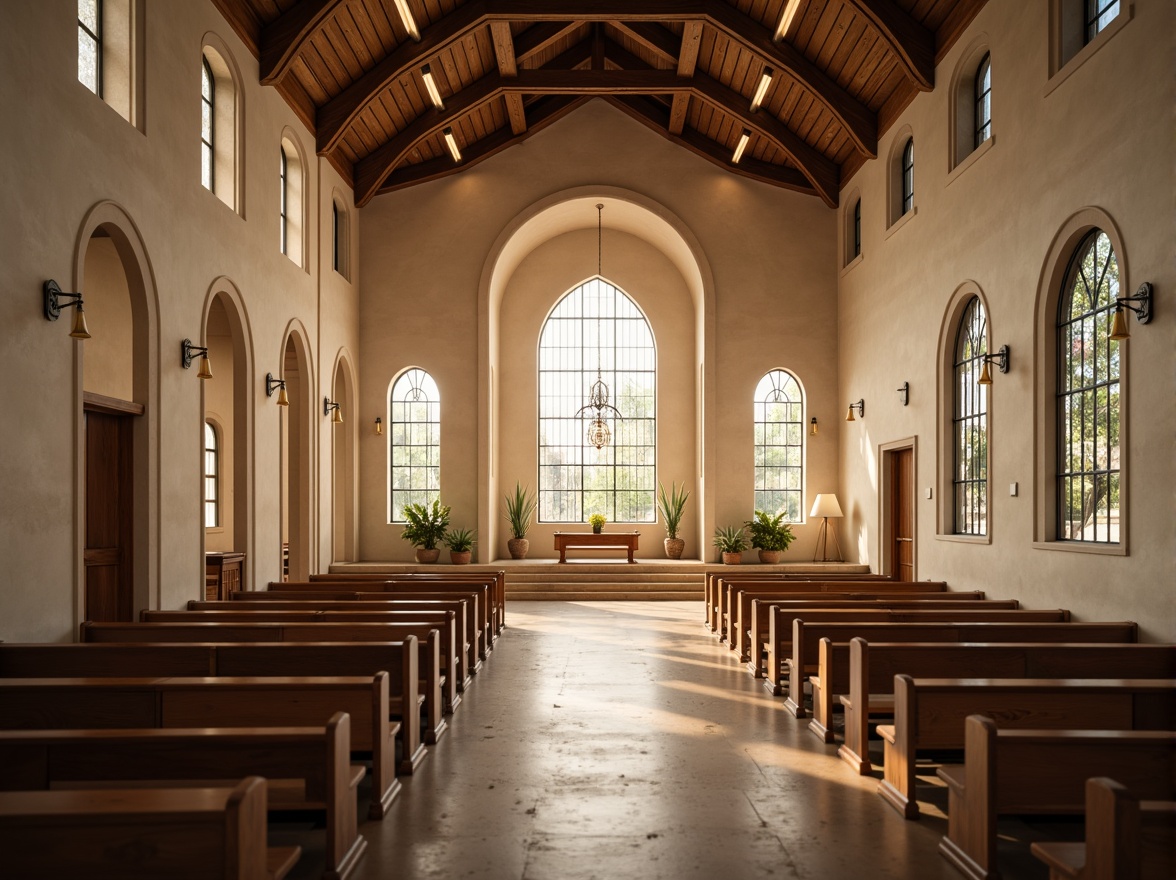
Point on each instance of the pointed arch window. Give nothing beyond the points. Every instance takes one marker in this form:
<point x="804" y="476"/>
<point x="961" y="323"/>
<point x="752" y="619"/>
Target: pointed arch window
<point x="779" y="446"/>
<point x="1088" y="396"/>
<point x="415" y="439"/>
<point x="597" y="326"/>
<point x="970" y="424"/>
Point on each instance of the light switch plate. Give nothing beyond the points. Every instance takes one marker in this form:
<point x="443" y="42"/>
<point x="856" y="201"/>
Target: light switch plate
<point x="1013" y="489"/>
<point x="928" y="491"/>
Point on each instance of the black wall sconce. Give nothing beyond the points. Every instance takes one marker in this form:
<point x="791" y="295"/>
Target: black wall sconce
<point x="332" y="409"/>
<point x="860" y="406"/>
<point x="813" y="427"/>
<point x="379" y="426"/>
<point x="1143" y="312"/>
<point x="53" y="306"/>
<point x="904" y="392"/>
<point x="189" y="351"/>
<point x="279" y="385"/>
<point x="1001" y="359"/>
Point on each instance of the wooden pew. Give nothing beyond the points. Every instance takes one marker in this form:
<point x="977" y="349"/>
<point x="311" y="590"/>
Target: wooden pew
<point x="1126" y="839"/>
<point x="405" y="695"/>
<point x="449" y="614"/>
<point x="731" y="603"/>
<point x="929" y="713"/>
<point x="316" y="759"/>
<point x="497" y="577"/>
<point x="781" y="620"/>
<point x="84" y="703"/>
<point x="804" y="657"/>
<point x="711" y="586"/>
<point x="476" y="629"/>
<point x="1041" y="771"/>
<point x="756" y="616"/>
<point x="868" y="671"/>
<point x="124" y="834"/>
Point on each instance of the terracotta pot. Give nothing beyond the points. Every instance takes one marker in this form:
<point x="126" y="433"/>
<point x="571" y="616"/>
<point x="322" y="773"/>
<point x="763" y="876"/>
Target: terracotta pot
<point x="518" y="547"/>
<point x="674" y="547"/>
<point x="770" y="557"/>
<point x="460" y="557"/>
<point x="732" y="558"/>
<point x="424" y="556"/>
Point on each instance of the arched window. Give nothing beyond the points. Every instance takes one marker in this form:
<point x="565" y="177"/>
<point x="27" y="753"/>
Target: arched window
<point x="211" y="477"/>
<point x="207" y="125"/>
<point x="908" y="176"/>
<point x="597" y="330"/>
<point x="340" y="237"/>
<point x="982" y="91"/>
<point x="1088" y="399"/>
<point x="857" y="228"/>
<point x="283" y="185"/>
<point x="1099" y="13"/>
<point x="779" y="446"/>
<point x="970" y="424"/>
<point x="415" y="437"/>
<point x="90" y="45"/>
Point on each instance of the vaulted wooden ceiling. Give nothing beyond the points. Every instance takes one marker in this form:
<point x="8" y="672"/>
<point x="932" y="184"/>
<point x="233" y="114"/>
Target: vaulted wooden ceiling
<point x="841" y="70"/>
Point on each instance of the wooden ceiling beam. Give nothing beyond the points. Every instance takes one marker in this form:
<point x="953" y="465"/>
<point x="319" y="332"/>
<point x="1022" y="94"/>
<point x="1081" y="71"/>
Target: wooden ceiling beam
<point x="542" y="114"/>
<point x="661" y="41"/>
<point x="243" y="20"/>
<point x="687" y="62"/>
<point x="540" y="36"/>
<point x="653" y="115"/>
<point x="504" y="52"/>
<point x="910" y="43"/>
<point x="337" y="115"/>
<point x="284" y="37"/>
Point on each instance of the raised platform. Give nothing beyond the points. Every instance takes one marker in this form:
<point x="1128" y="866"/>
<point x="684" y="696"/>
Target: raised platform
<point x="612" y="579"/>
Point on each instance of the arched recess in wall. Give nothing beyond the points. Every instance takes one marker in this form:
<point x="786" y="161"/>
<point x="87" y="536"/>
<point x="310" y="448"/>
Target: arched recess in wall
<point x="344" y="439"/>
<point x="229" y="394"/>
<point x="557" y="235"/>
<point x="297" y="445"/>
<point x="117" y="378"/>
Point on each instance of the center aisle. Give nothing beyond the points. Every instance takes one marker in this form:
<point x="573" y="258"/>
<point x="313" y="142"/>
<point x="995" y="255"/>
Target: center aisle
<point x="616" y="740"/>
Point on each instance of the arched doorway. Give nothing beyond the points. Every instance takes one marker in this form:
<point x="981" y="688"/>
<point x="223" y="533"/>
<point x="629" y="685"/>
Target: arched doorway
<point x="344" y="436"/>
<point x="297" y="447"/>
<point x="117" y="527"/>
<point x="228" y="423"/>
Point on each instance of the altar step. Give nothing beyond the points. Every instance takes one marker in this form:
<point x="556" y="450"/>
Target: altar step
<point x="581" y="582"/>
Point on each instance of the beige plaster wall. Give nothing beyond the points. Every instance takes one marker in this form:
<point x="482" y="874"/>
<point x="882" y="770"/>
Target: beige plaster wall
<point x="1102" y="137"/>
<point x="73" y="153"/>
<point x="426" y="254"/>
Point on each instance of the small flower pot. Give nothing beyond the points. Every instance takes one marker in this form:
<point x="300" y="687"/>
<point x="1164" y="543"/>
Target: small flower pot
<point x="732" y="558"/>
<point x="518" y="548"/>
<point x="674" y="547"/>
<point x="424" y="556"/>
<point x="770" y="557"/>
<point x="460" y="557"/>
<point x="596" y="529"/>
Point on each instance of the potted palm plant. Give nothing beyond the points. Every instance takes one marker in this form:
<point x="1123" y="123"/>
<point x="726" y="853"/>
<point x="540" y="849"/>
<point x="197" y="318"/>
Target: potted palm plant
<point x="426" y="527"/>
<point x="770" y="535"/>
<point x="461" y="545"/>
<point x="731" y="543"/>
<point x="672" y="507"/>
<point x="520" y="507"/>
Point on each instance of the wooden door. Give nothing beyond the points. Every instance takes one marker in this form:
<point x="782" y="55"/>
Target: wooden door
<point x="902" y="513"/>
<point x="109" y="488"/>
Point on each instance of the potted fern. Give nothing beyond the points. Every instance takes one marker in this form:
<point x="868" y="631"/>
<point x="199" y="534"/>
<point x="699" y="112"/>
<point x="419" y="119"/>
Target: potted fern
<point x="731" y="543"/>
<point x="672" y="507"/>
<point x="770" y="535"/>
<point x="520" y="507"/>
<point x="461" y="545"/>
<point x="426" y="527"/>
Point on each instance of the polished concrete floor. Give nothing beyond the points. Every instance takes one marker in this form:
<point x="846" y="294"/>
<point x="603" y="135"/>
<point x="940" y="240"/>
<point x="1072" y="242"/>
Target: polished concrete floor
<point x="618" y="740"/>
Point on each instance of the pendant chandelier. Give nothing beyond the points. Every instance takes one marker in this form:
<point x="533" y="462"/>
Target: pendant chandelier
<point x="599" y="434"/>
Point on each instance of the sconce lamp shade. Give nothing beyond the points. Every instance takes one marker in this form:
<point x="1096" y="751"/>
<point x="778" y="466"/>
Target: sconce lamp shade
<point x="55" y="299"/>
<point x="985" y="376"/>
<point x="80" y="330"/>
<point x="813" y="428"/>
<point x="330" y="408"/>
<point x="205" y="370"/>
<point x="337" y="418"/>
<point x="283" y="400"/>
<point x="278" y="385"/>
<point x="826" y="505"/>
<point x="860" y="406"/>
<point x="1119" y="330"/>
<point x="379" y="426"/>
<point x="188" y="353"/>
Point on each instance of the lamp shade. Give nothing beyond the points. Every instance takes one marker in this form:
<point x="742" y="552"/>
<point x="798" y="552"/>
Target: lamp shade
<point x="826" y="505"/>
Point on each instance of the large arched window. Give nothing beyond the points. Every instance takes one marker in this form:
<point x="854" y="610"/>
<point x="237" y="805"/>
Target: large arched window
<point x="779" y="446"/>
<point x="1088" y="400"/>
<point x="415" y="438"/>
<point x="970" y="424"/>
<point x="597" y="329"/>
<point x="211" y="477"/>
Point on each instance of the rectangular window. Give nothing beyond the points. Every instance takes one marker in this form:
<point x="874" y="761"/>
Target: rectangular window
<point x="857" y="228"/>
<point x="90" y="45"/>
<point x="1099" y="13"/>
